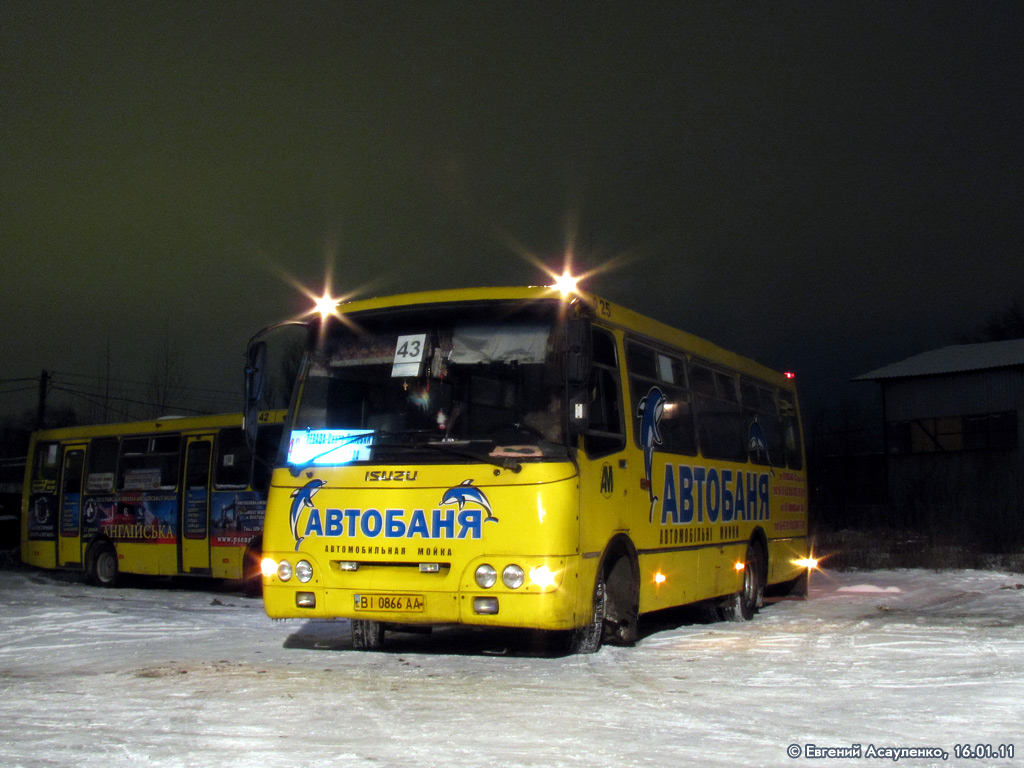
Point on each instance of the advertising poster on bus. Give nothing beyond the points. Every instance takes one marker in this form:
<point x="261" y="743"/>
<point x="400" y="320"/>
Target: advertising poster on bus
<point x="236" y="517"/>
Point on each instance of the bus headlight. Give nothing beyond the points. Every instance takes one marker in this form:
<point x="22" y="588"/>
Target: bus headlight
<point x="513" y="577"/>
<point x="486" y="576"/>
<point x="284" y="570"/>
<point x="303" y="571"/>
<point x="268" y="566"/>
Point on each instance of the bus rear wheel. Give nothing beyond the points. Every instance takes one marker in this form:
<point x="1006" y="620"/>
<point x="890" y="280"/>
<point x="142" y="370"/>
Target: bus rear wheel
<point x="102" y="565"/>
<point x="367" y="635"/>
<point x="742" y="605"/>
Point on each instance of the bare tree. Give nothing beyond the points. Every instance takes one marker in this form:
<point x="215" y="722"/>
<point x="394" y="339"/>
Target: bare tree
<point x="1002" y="325"/>
<point x="105" y="405"/>
<point x="168" y="381"/>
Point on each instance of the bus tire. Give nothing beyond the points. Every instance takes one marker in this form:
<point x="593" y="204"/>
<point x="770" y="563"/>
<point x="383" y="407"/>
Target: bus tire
<point x="367" y="635"/>
<point x="102" y="568"/>
<point x="622" y="601"/>
<point x="742" y="605"/>
<point x="587" y="639"/>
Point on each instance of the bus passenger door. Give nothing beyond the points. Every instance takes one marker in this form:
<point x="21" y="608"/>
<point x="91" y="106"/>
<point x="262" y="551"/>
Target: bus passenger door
<point x="194" y="508"/>
<point x="69" y="538"/>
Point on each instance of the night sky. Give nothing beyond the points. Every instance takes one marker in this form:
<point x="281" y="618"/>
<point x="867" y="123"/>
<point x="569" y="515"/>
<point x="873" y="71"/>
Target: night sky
<point x="826" y="187"/>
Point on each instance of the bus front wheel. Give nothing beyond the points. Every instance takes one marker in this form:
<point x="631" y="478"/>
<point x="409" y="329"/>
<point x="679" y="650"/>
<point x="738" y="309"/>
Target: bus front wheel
<point x="616" y="607"/>
<point x="587" y="639"/>
<point x="103" y="565"/>
<point x="367" y="635"/>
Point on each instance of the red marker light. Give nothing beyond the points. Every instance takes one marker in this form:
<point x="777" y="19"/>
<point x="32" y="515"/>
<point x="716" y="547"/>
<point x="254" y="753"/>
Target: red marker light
<point x="789" y="375"/>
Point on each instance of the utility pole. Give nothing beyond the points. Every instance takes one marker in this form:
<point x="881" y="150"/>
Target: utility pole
<point x="44" y="380"/>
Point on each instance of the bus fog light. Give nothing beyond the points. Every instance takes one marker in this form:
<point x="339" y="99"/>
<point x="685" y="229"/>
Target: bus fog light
<point x="305" y="600"/>
<point x="284" y="570"/>
<point x="348" y="565"/>
<point x="268" y="566"/>
<point x="303" y="571"/>
<point x="485" y="605"/>
<point x="513" y="577"/>
<point x="486" y="576"/>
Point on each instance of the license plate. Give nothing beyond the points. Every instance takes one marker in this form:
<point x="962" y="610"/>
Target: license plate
<point x="390" y="603"/>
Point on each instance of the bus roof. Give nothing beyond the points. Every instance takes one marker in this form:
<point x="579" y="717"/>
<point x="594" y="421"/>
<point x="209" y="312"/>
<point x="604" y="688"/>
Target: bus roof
<point x="163" y="424"/>
<point x="606" y="312"/>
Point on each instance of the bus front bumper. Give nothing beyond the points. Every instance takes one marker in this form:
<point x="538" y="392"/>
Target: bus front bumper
<point x="554" y="608"/>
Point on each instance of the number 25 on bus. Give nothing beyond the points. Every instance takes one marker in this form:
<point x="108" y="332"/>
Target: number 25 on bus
<point x="525" y="457"/>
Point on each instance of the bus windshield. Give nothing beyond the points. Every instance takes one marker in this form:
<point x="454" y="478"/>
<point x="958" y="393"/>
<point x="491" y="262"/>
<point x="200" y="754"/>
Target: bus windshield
<point x="433" y="386"/>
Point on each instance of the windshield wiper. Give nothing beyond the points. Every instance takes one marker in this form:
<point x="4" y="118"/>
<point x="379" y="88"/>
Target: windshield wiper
<point x="457" y="448"/>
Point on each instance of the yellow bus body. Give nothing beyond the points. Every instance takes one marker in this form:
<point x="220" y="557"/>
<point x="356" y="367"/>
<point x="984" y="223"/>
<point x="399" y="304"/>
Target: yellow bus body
<point x="558" y="519"/>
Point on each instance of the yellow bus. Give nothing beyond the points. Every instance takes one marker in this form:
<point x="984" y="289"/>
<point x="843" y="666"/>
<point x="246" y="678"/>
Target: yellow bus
<point x="527" y="458"/>
<point x="169" y="497"/>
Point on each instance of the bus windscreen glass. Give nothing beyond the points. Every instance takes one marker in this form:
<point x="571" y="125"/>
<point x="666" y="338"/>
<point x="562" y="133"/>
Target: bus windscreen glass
<point x="433" y="386"/>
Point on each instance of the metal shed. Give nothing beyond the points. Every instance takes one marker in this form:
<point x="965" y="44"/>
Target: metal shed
<point x="953" y="421"/>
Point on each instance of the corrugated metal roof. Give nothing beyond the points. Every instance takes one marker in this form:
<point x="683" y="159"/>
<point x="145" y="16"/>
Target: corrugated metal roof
<point x="955" y="359"/>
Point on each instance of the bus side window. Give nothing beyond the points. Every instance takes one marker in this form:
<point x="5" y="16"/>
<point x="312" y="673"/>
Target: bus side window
<point x="197" y="466"/>
<point x="149" y="463"/>
<point x="101" y="465"/>
<point x="759" y="406"/>
<point x="790" y="431"/>
<point x="720" y="424"/>
<point x="606" y="433"/>
<point x="73" y="461"/>
<point x="45" y="467"/>
<point x="649" y="368"/>
<point x="234" y="461"/>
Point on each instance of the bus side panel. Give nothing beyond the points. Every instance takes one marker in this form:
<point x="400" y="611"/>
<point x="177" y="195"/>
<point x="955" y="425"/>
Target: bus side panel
<point x="782" y="557"/>
<point x="142" y="525"/>
<point x="679" y="570"/>
<point x="227" y="562"/>
<point x="41" y="554"/>
<point x="133" y="557"/>
<point x="40" y="507"/>
<point x="236" y="520"/>
<point x="39" y="529"/>
<point x="147" y="558"/>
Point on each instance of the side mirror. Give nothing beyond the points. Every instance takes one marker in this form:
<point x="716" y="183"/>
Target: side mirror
<point x="577" y="351"/>
<point x="255" y="380"/>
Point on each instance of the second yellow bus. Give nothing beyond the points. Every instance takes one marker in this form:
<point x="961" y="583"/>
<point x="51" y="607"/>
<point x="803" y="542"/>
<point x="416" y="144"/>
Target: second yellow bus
<point x="173" y="496"/>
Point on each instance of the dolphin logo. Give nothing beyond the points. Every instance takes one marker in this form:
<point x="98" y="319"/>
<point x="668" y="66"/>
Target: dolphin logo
<point x="757" y="443"/>
<point x="649" y="411"/>
<point x="466" y="492"/>
<point x="302" y="498"/>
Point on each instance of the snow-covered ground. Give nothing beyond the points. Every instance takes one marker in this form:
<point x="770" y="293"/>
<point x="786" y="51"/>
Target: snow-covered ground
<point x="153" y="675"/>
